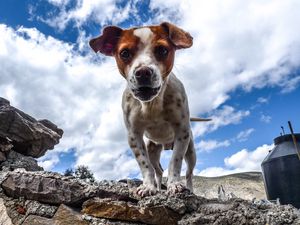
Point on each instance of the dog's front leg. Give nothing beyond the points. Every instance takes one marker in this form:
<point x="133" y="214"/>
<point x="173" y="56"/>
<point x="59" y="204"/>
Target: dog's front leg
<point x="136" y="143"/>
<point x="181" y="143"/>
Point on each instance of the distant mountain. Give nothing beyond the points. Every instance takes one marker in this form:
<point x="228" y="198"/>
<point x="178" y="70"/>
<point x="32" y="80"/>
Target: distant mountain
<point x="247" y="185"/>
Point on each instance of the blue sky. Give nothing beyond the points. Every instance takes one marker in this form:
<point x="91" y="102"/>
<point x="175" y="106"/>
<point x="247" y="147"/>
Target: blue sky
<point x="243" y="71"/>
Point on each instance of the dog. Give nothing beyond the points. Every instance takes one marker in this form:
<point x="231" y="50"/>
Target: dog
<point x="154" y="103"/>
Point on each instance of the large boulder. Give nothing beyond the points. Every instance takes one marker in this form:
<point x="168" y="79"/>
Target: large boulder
<point x="27" y="135"/>
<point x="54" y="188"/>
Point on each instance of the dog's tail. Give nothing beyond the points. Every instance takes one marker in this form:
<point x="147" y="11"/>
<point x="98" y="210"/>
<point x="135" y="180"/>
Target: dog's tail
<point x="196" y="119"/>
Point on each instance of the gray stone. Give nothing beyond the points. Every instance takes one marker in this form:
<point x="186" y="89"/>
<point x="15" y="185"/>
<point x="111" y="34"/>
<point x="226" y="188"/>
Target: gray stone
<point x="68" y="216"/>
<point x="239" y="212"/>
<point x="38" y="220"/>
<point x="2" y="157"/>
<point x="16" y="160"/>
<point x="39" y="209"/>
<point x="29" y="136"/>
<point x="47" y="187"/>
<point x="4" y="218"/>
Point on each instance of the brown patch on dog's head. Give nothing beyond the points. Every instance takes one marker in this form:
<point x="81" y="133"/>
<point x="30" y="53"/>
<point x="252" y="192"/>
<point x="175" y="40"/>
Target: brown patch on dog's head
<point x="107" y="42"/>
<point x="179" y="37"/>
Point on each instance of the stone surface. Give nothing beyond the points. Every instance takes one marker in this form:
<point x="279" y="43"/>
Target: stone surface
<point x="16" y="160"/>
<point x="19" y="209"/>
<point x="38" y="220"/>
<point x="39" y="209"/>
<point x="120" y="210"/>
<point x="68" y="216"/>
<point x="54" y="188"/>
<point x="47" y="187"/>
<point x="28" y="136"/>
<point x="4" y="218"/>
<point x="5" y="144"/>
<point x="2" y="157"/>
<point x="240" y="212"/>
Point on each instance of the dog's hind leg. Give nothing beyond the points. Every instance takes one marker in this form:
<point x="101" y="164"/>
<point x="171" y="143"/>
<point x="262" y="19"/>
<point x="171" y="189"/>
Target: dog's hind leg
<point x="190" y="159"/>
<point x="154" y="151"/>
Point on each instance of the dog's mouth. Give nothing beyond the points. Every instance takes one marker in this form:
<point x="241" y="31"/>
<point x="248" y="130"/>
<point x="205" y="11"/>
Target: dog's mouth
<point x="145" y="93"/>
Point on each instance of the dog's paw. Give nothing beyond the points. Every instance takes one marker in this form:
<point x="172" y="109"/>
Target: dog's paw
<point x="175" y="187"/>
<point x="146" y="190"/>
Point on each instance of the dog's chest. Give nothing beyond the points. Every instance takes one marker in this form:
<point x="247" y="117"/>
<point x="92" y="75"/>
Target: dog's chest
<point x="159" y="130"/>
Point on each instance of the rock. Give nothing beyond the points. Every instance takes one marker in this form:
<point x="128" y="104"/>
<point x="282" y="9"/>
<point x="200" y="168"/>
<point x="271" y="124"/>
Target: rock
<point x="239" y="212"/>
<point x="29" y="136"/>
<point x="3" y="101"/>
<point x="34" y="197"/>
<point x="54" y="188"/>
<point x="2" y="157"/>
<point x="47" y="187"/>
<point x="68" y="216"/>
<point x="16" y="160"/>
<point x="39" y="209"/>
<point x="120" y="210"/>
<point x="4" y="218"/>
<point x="100" y="221"/>
<point x="5" y="144"/>
<point x="19" y="209"/>
<point x="38" y="220"/>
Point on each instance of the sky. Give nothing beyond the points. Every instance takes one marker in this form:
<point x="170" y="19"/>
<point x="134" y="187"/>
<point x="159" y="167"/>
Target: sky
<point x="243" y="71"/>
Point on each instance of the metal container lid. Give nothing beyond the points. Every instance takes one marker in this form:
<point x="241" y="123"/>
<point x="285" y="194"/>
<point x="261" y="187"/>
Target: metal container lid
<point x="284" y="146"/>
<point x="286" y="137"/>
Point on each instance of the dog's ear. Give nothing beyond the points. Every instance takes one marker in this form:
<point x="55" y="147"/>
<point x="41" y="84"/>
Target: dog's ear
<point x="106" y="43"/>
<point x="178" y="37"/>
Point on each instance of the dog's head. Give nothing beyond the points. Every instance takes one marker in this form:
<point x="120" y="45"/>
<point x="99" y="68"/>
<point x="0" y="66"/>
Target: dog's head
<point x="144" y="55"/>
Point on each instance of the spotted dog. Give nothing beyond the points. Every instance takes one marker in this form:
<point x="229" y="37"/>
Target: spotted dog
<point x="154" y="104"/>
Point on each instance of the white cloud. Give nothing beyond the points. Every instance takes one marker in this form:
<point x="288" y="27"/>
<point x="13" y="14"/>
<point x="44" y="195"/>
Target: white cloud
<point x="262" y="100"/>
<point x="242" y="161"/>
<point x="236" y="44"/>
<point x="49" y="161"/>
<point x="244" y="135"/>
<point x="100" y="11"/>
<point x="209" y="145"/>
<point x="265" y="118"/>
<point x="47" y="79"/>
<point x="220" y="117"/>
<point x="290" y="85"/>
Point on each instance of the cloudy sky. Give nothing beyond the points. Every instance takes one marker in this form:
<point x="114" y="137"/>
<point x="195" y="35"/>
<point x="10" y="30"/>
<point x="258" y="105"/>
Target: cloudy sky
<point x="243" y="71"/>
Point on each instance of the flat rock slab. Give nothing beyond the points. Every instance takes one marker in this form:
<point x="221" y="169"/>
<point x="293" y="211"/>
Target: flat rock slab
<point x="56" y="189"/>
<point x="68" y="216"/>
<point x="38" y="220"/>
<point x="120" y="210"/>
<point x="28" y="136"/>
<point x="47" y="187"/>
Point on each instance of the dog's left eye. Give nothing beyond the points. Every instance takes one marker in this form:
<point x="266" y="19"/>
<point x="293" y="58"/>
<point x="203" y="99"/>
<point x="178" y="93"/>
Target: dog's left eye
<point x="161" y="52"/>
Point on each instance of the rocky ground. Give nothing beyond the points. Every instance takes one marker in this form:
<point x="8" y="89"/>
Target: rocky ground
<point x="31" y="196"/>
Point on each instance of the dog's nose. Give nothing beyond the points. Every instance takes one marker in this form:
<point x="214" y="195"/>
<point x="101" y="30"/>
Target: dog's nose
<point x="144" y="76"/>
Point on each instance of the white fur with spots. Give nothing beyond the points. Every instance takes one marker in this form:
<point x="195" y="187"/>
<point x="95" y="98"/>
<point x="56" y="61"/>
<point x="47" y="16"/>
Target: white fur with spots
<point x="144" y="57"/>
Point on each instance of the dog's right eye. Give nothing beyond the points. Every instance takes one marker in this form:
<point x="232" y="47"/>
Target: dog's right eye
<point x="125" y="54"/>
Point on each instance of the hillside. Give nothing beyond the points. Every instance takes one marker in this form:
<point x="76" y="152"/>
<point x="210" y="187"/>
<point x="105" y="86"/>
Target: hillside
<point x="243" y="185"/>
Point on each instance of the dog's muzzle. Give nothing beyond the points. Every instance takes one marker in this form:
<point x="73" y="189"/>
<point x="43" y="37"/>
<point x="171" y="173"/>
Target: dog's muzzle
<point x="144" y="89"/>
